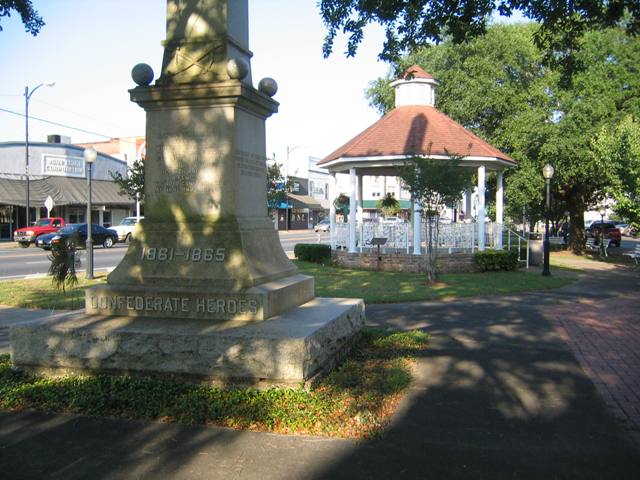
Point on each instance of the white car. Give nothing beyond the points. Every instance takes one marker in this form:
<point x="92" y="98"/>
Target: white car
<point x="126" y="228"/>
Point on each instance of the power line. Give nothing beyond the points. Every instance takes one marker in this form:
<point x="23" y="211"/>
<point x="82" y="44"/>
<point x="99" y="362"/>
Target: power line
<point x="65" y="126"/>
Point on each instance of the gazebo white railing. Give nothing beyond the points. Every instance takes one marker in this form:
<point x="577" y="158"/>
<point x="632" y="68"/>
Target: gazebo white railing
<point x="453" y="237"/>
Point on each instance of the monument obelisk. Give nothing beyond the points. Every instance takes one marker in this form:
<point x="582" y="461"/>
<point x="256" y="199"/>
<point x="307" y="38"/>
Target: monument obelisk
<point x="206" y="238"/>
<point x="205" y="290"/>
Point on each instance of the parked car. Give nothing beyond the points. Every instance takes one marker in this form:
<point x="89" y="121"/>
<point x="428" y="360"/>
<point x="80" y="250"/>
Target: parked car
<point x="126" y="228"/>
<point x="76" y="234"/>
<point x="323" y="225"/>
<point x="27" y="235"/>
<point x="625" y="228"/>
<point x="595" y="229"/>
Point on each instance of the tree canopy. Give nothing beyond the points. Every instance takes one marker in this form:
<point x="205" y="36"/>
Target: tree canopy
<point x="434" y="184"/>
<point x="133" y="183"/>
<point x="277" y="186"/>
<point x="620" y="146"/>
<point x="410" y="24"/>
<point x="30" y="18"/>
<point x="498" y="86"/>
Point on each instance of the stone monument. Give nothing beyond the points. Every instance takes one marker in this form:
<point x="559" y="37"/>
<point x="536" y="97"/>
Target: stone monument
<point x="205" y="289"/>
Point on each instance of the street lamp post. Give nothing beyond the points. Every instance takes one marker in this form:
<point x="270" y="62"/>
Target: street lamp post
<point x="27" y="97"/>
<point x="286" y="179"/>
<point x="90" y="156"/>
<point x="602" y="211"/>
<point x="547" y="173"/>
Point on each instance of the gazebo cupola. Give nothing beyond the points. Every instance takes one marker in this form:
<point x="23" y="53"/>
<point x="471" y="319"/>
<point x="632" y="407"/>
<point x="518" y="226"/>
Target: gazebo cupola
<point x="416" y="87"/>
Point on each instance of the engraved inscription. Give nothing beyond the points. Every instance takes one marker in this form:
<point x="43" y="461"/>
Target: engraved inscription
<point x="163" y="254"/>
<point x="155" y="303"/>
<point x="181" y="181"/>
<point x="250" y="164"/>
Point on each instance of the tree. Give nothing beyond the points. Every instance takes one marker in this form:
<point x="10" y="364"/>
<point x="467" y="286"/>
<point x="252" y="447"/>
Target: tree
<point x="133" y="183"/>
<point x="277" y="187"/>
<point x="434" y="184"/>
<point x="30" y="18"/>
<point x="410" y="24"/>
<point x="498" y="86"/>
<point x="388" y="205"/>
<point x="341" y="202"/>
<point x="619" y="147"/>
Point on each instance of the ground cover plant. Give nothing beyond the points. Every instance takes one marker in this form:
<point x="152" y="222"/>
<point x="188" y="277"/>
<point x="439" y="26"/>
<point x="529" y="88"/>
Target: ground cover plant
<point x="390" y="287"/>
<point x="354" y="401"/>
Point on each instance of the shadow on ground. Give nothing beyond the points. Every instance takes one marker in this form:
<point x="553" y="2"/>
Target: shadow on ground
<point x="498" y="395"/>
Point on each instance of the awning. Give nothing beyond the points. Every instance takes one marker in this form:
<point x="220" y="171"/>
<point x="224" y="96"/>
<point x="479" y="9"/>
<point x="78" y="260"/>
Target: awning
<point x="304" y="201"/>
<point x="63" y="191"/>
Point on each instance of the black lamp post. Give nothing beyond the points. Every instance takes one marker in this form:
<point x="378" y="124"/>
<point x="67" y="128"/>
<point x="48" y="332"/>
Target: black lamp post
<point x="547" y="173"/>
<point x="27" y="97"/>
<point x="602" y="211"/>
<point x="90" y="156"/>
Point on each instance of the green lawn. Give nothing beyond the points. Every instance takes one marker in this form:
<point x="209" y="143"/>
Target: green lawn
<point x="354" y="401"/>
<point x="373" y="287"/>
<point x="41" y="293"/>
<point x="389" y="287"/>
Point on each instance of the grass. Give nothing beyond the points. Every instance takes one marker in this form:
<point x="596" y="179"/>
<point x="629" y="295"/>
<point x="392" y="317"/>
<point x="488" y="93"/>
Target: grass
<point x="355" y="401"/>
<point x="389" y="287"/>
<point x="41" y="293"/>
<point x="373" y="287"/>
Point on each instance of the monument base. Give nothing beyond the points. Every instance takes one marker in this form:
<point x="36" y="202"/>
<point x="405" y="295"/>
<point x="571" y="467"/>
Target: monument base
<point x="287" y="349"/>
<point x="255" y="303"/>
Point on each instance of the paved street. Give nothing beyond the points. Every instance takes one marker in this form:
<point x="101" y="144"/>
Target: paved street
<point x="18" y="262"/>
<point x="500" y="394"/>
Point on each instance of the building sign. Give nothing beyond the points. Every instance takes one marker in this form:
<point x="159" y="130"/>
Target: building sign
<point x="62" y="166"/>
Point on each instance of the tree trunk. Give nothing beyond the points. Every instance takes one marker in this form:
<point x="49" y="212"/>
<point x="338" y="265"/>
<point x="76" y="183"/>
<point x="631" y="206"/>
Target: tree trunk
<point x="431" y="264"/>
<point x="576" y="227"/>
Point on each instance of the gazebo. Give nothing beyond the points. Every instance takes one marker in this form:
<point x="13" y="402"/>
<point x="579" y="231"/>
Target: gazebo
<point x="414" y="127"/>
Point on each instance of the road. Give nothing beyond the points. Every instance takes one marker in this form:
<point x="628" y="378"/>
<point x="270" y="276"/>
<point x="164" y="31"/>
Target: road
<point x="22" y="262"/>
<point x="18" y="263"/>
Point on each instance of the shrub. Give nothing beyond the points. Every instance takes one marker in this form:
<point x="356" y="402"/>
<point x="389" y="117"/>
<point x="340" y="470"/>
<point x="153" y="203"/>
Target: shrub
<point x="493" y="260"/>
<point x="312" y="252"/>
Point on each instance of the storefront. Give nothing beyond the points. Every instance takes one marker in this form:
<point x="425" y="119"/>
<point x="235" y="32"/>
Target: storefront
<point x="57" y="171"/>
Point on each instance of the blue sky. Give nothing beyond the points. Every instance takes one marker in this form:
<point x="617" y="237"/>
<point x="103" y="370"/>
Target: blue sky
<point x="89" y="47"/>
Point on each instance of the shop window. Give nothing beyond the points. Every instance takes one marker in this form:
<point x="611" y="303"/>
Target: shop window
<point x="106" y="219"/>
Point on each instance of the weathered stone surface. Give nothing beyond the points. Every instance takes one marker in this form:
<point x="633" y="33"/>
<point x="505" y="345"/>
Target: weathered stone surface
<point x="175" y="301"/>
<point x="288" y="348"/>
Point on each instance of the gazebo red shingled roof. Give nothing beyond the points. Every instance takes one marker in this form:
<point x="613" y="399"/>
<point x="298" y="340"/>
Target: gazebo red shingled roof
<point x="415" y="130"/>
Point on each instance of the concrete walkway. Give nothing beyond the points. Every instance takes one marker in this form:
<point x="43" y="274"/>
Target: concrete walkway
<point x="498" y="395"/>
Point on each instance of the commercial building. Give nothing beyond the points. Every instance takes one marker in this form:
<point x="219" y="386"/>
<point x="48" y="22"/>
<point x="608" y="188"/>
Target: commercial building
<point x="57" y="170"/>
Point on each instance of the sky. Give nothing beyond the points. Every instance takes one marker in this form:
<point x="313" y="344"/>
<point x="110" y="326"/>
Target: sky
<point x="88" y="49"/>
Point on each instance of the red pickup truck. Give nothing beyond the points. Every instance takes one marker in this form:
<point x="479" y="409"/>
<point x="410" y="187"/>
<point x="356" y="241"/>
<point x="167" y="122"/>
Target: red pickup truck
<point x="27" y="235"/>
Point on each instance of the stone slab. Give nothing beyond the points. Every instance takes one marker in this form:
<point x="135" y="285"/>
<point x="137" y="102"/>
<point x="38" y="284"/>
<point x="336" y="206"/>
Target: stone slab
<point x="195" y="302"/>
<point x="287" y="349"/>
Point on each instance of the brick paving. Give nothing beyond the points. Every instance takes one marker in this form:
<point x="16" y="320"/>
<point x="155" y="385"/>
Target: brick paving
<point x="605" y="338"/>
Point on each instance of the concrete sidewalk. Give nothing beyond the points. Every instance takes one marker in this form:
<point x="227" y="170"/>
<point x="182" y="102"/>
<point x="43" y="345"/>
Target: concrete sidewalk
<point x="498" y="395"/>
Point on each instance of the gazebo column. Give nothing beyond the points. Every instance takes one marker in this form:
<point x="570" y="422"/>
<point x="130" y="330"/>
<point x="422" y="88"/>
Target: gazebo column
<point x="481" y="214"/>
<point x="352" y="210"/>
<point x="332" y="209"/>
<point x="499" y="210"/>
<point x="359" y="206"/>
<point x="468" y="209"/>
<point x="417" y="227"/>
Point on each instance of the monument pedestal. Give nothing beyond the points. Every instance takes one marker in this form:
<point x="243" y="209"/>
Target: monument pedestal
<point x="287" y="349"/>
<point x="205" y="289"/>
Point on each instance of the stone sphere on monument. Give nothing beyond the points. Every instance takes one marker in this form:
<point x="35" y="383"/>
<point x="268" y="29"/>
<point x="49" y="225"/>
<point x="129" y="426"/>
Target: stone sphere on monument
<point x="142" y="74"/>
<point x="237" y="69"/>
<point x="268" y="86"/>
